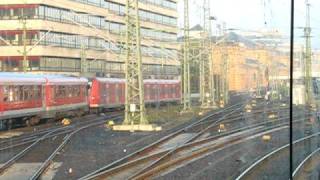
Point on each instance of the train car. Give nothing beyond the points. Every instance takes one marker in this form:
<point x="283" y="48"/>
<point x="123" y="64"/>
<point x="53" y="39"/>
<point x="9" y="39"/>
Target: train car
<point x="21" y="98"/>
<point x="107" y="93"/>
<point x="110" y="92"/>
<point x="162" y="91"/>
<point x="27" y="98"/>
<point x="66" y="96"/>
<point x="170" y="90"/>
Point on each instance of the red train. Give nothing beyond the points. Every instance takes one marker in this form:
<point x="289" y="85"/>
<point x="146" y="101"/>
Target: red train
<point x="29" y="98"/>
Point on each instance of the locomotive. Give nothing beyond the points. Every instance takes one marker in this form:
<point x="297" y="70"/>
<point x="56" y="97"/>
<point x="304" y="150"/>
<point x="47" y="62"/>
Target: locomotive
<point x="28" y="98"/>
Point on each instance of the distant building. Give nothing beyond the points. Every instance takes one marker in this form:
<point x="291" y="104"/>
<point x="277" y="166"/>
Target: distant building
<point x="249" y="64"/>
<point x="91" y="30"/>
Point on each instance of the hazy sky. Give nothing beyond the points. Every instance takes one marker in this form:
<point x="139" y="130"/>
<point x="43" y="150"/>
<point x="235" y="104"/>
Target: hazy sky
<point x="258" y="14"/>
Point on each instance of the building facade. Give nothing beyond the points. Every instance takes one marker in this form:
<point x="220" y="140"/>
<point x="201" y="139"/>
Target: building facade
<point x="86" y="36"/>
<point x="250" y="68"/>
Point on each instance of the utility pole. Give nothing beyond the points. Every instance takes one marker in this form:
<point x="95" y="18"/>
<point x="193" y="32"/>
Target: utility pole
<point x="24" y="39"/>
<point x="186" y="60"/>
<point x="206" y="64"/>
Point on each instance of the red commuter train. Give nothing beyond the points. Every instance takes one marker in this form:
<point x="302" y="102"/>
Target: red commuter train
<point x="110" y="92"/>
<point x="28" y="98"/>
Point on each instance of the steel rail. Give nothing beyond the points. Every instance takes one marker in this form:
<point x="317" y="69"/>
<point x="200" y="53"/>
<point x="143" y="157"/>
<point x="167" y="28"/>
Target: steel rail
<point x="19" y="155"/>
<point x="269" y="155"/>
<point x="157" y="143"/>
<point x="299" y="167"/>
<point x="48" y="161"/>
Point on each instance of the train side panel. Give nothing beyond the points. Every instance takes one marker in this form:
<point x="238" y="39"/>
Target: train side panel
<point x="109" y="93"/>
<point x="66" y="95"/>
<point x="20" y="97"/>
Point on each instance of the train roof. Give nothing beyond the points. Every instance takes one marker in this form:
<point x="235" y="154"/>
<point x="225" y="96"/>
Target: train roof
<point x="6" y="77"/>
<point x="20" y="78"/>
<point x="154" y="81"/>
<point x="162" y="81"/>
<point x="67" y="80"/>
<point x="110" y="80"/>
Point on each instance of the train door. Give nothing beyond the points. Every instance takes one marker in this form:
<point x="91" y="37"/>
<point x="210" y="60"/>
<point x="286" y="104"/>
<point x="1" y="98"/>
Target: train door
<point x="154" y="93"/>
<point x="147" y="92"/>
<point x="117" y="93"/>
<point x="166" y="87"/>
<point x="160" y="92"/>
<point x="2" y="98"/>
<point x="112" y="94"/>
<point x="123" y="93"/>
<point x="170" y="92"/>
<point x="106" y="93"/>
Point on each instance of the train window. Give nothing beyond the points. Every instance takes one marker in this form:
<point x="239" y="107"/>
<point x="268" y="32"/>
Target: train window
<point x="60" y="91"/>
<point x="70" y="91"/>
<point x="76" y="91"/>
<point x="17" y="93"/>
<point x="5" y="93"/>
<point x="25" y="93"/>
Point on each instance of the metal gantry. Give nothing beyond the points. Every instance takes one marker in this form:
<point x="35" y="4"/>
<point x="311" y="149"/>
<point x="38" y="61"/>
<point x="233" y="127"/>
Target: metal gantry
<point x="308" y="73"/>
<point x="225" y="79"/>
<point x="225" y="68"/>
<point x="308" y="81"/>
<point x="134" y="90"/>
<point x="186" y="61"/>
<point x="206" y="65"/>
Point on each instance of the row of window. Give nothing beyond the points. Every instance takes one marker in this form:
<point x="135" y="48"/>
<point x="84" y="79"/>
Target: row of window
<point x="21" y="93"/>
<point x="60" y="15"/>
<point x="163" y="3"/>
<point x="71" y="41"/>
<point x="78" y="41"/>
<point x="118" y="28"/>
<point x="152" y="91"/>
<point x="67" y="16"/>
<point x="17" y="39"/>
<point x="69" y="91"/>
<point x="53" y="14"/>
<point x="98" y="3"/>
<point x="144" y="15"/>
<point x="73" y="65"/>
<point x="104" y="4"/>
<point x="16" y="13"/>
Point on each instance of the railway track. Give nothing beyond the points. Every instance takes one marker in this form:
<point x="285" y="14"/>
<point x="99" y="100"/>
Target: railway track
<point x="167" y="138"/>
<point x="29" y="138"/>
<point x="305" y="169"/>
<point x="56" y="139"/>
<point x="155" y="152"/>
<point x="309" y="164"/>
<point x="153" y="164"/>
<point x="267" y="160"/>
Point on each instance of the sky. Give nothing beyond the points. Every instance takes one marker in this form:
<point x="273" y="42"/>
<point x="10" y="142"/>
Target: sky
<point x="255" y="15"/>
